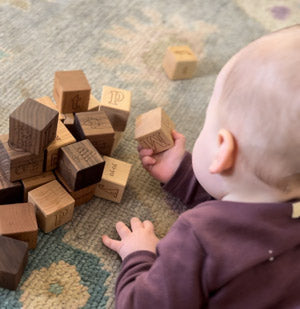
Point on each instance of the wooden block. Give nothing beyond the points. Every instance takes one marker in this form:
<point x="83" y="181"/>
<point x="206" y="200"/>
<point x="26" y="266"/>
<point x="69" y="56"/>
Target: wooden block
<point x="116" y="104"/>
<point x="18" y="221"/>
<point x="117" y="139"/>
<point x="48" y="102"/>
<point x="81" y="196"/>
<point x="114" y="179"/>
<point x="80" y="164"/>
<point x="63" y="138"/>
<point x="35" y="182"/>
<point x="71" y="91"/>
<point x="13" y="260"/>
<point x="93" y="104"/>
<point x="154" y="130"/>
<point x="18" y="164"/>
<point x="32" y="127"/>
<point x="69" y="122"/>
<point x="96" y="127"/>
<point x="180" y="62"/>
<point x="10" y="192"/>
<point x="54" y="205"/>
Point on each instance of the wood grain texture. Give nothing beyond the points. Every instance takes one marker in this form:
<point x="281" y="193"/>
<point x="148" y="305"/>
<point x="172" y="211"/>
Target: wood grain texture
<point x="80" y="164"/>
<point x="13" y="260"/>
<point x="36" y="181"/>
<point x="180" y="62"/>
<point x="54" y="205"/>
<point x="63" y="138"/>
<point x="93" y="104"/>
<point x="71" y="91"/>
<point x="80" y="196"/>
<point x="10" y="192"/>
<point x="114" y="179"/>
<point x="96" y="127"/>
<point x="32" y="127"/>
<point x="19" y="222"/>
<point x="116" y="104"/>
<point x="17" y="165"/>
<point x="153" y="130"/>
<point x="48" y="102"/>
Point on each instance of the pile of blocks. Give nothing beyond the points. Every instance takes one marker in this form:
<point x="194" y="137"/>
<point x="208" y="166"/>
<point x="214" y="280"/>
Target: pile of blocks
<point x="55" y="157"/>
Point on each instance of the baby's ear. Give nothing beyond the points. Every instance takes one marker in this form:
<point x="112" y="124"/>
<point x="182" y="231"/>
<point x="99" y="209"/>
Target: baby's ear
<point x="225" y="155"/>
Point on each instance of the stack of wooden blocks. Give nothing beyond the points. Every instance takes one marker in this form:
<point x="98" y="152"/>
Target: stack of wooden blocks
<point x="55" y="157"/>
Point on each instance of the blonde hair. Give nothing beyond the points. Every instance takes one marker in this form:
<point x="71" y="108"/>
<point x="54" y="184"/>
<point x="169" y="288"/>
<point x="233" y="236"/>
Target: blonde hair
<point x="259" y="101"/>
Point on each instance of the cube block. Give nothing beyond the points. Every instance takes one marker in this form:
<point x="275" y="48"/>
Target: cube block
<point x="114" y="179"/>
<point x="80" y="164"/>
<point x="154" y="130"/>
<point x="180" y="62"/>
<point x="116" y="104"/>
<point x="32" y="127"/>
<point x="10" y="192"/>
<point x="71" y="91"/>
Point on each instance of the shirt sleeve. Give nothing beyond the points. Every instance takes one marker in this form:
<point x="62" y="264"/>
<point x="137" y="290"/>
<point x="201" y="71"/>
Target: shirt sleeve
<point x="185" y="186"/>
<point x="172" y="279"/>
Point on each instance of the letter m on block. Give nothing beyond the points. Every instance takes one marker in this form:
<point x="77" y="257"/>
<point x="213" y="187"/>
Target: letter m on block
<point x="155" y="141"/>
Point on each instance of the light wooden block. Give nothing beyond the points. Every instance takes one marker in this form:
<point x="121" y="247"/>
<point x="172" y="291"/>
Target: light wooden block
<point x="18" y="221"/>
<point x="96" y="127"/>
<point x="117" y="139"/>
<point x="93" y="104"/>
<point x="71" y="91"/>
<point x="154" y="130"/>
<point x="18" y="164"/>
<point x="63" y="138"/>
<point x="48" y="102"/>
<point x="180" y="62"/>
<point x="32" y="127"/>
<point x="13" y="260"/>
<point x="35" y="182"/>
<point x="114" y="179"/>
<point x="10" y="192"/>
<point x="80" y="196"/>
<point x="54" y="205"/>
<point x="80" y="165"/>
<point x="116" y="104"/>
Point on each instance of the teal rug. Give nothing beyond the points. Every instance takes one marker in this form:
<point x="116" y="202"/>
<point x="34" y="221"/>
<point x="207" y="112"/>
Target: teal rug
<point x="119" y="44"/>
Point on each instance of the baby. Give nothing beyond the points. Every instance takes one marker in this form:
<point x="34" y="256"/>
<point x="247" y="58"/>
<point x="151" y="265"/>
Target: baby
<point x="238" y="245"/>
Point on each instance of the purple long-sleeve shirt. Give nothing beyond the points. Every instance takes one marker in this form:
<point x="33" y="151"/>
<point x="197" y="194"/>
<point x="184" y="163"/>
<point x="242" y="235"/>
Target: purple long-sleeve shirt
<point x="216" y="255"/>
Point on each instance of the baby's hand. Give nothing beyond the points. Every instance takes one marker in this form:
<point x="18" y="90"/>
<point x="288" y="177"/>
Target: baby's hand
<point x="141" y="237"/>
<point x="162" y="166"/>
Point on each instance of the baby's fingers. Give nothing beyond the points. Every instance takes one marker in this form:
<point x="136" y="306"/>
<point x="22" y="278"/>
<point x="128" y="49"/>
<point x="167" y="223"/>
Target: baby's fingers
<point x="148" y="162"/>
<point x="145" y="152"/>
<point x="112" y="244"/>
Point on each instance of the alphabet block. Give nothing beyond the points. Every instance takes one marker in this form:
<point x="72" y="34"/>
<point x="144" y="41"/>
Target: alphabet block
<point x="80" y="196"/>
<point x="63" y="138"/>
<point x="54" y="205"/>
<point x="69" y="122"/>
<point x="116" y="104"/>
<point x="18" y="164"/>
<point x="180" y="62"/>
<point x="154" y="130"/>
<point x="48" y="102"/>
<point x="117" y="139"/>
<point x="114" y="179"/>
<point x="71" y="91"/>
<point x="13" y="260"/>
<point x="80" y="164"/>
<point x="96" y="127"/>
<point x="10" y="192"/>
<point x="93" y="104"/>
<point x="36" y="181"/>
<point x="32" y="127"/>
<point x="18" y="221"/>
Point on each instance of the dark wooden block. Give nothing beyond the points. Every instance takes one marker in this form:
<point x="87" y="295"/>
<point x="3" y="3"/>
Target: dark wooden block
<point x="32" y="127"/>
<point x="96" y="127"/>
<point x="71" y="91"/>
<point x="13" y="260"/>
<point x="10" y="192"/>
<point x="18" y="165"/>
<point x="18" y="221"/>
<point x="80" y="164"/>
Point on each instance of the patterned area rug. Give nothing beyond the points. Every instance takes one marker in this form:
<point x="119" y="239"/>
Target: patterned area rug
<point x="120" y="44"/>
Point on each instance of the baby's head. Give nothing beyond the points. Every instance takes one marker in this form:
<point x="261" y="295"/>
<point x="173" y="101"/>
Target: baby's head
<point x="249" y="148"/>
